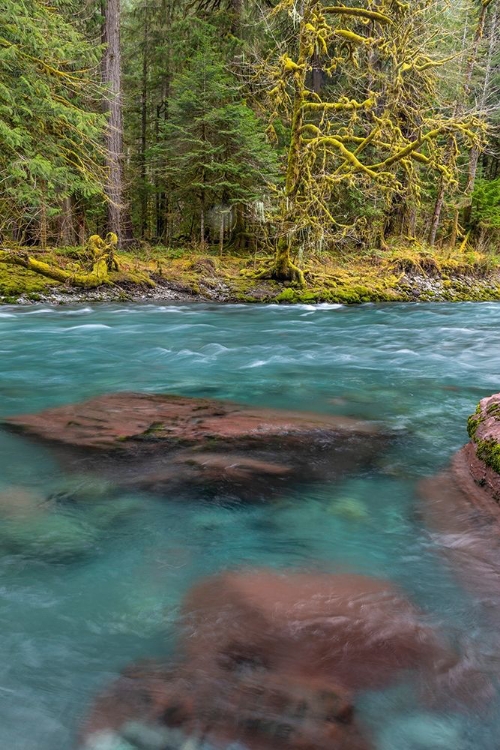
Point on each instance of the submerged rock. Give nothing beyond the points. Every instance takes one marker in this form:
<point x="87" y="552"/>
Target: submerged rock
<point x="461" y="505"/>
<point x="187" y="710"/>
<point x="171" y="443"/>
<point x="52" y="537"/>
<point x="61" y="524"/>
<point x="19" y="502"/>
<point x="269" y="661"/>
<point x="359" y="631"/>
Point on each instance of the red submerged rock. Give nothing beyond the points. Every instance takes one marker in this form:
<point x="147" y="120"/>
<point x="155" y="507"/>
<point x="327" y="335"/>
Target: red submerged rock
<point x="461" y="505"/>
<point x="274" y="661"/>
<point x="218" y="472"/>
<point x="358" y="631"/>
<point x="261" y="710"/>
<point x="166" y="441"/>
<point x="464" y="518"/>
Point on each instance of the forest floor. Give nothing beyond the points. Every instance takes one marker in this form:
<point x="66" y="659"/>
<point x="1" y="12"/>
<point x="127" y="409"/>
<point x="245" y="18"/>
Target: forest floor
<point x="399" y="274"/>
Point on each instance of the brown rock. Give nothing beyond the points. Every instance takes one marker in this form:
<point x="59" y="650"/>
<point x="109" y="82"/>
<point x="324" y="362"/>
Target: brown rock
<point x="160" y="442"/>
<point x="465" y="521"/>
<point x="262" y="711"/>
<point x="125" y="421"/>
<point x="461" y="506"/>
<point x="249" y="478"/>
<point x="358" y="631"/>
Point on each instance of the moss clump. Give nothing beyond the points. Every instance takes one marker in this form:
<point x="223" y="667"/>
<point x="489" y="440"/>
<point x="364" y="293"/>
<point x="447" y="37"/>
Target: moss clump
<point x="294" y="296"/>
<point x="16" y="281"/>
<point x="472" y="424"/>
<point x="489" y="452"/>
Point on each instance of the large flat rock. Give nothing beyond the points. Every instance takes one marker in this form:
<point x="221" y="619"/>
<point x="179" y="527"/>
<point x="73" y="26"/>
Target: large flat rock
<point x="161" y="442"/>
<point x="125" y="421"/>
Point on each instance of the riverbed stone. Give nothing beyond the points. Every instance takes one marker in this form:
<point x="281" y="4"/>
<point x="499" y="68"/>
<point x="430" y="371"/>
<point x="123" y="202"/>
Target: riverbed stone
<point x="274" y="660"/>
<point x="359" y="631"/>
<point x="252" y="711"/>
<point x="164" y="442"/>
<point x="461" y="505"/>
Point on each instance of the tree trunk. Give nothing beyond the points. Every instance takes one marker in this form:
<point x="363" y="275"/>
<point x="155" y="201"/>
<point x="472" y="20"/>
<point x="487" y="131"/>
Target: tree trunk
<point x="67" y="224"/>
<point x="43" y="223"/>
<point x="475" y="152"/>
<point x="459" y="109"/>
<point x="111" y="74"/>
<point x="202" y="220"/>
<point x="144" y="127"/>
<point x="96" y="277"/>
<point x="221" y="234"/>
<point x="237" y="17"/>
<point x="436" y="216"/>
<point x="283" y="269"/>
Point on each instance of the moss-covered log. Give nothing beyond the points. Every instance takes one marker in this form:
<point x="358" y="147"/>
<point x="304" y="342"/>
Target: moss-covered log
<point x="96" y="277"/>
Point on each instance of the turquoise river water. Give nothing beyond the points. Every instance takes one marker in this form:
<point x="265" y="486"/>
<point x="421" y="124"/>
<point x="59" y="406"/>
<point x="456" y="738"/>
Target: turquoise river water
<point x="87" y="590"/>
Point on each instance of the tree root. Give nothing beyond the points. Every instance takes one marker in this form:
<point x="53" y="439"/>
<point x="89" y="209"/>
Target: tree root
<point x="279" y="271"/>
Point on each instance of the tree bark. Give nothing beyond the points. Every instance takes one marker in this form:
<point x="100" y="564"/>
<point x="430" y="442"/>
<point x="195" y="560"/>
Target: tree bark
<point x="144" y="128"/>
<point x="475" y="152"/>
<point x="67" y="224"/>
<point x="459" y="108"/>
<point x="111" y="74"/>
<point x="237" y="17"/>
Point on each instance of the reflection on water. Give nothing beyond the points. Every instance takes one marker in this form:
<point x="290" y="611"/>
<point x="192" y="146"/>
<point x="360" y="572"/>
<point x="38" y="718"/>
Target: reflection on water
<point x="92" y="579"/>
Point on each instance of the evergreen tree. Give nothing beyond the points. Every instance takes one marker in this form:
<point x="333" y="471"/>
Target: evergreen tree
<point x="215" y="146"/>
<point x="50" y="125"/>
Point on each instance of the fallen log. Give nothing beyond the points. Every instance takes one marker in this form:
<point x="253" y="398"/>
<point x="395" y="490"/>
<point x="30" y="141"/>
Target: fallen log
<point x="96" y="277"/>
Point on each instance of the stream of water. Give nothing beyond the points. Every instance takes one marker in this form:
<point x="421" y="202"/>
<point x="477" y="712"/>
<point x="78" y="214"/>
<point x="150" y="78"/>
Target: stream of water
<point x="93" y="588"/>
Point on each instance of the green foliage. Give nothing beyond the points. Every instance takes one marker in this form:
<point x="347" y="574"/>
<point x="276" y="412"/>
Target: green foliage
<point x="215" y="148"/>
<point x="486" y="203"/>
<point x="50" y="124"/>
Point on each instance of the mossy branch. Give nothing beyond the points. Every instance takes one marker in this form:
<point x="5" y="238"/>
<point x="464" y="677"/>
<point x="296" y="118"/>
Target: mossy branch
<point x="371" y="15"/>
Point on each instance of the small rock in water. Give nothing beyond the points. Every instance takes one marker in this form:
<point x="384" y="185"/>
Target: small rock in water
<point x="22" y="502"/>
<point x="51" y="536"/>
<point x="422" y="732"/>
<point x="350" y="508"/>
<point x="147" y="737"/>
<point x="107" y="741"/>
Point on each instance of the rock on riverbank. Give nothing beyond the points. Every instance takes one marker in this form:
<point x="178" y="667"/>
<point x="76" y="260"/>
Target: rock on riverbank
<point x="461" y="505"/>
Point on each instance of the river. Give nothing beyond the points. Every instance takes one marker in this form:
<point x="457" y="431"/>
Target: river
<point x="94" y="588"/>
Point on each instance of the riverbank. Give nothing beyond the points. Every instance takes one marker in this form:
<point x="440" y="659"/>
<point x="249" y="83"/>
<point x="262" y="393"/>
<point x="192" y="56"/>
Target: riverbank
<point x="395" y="275"/>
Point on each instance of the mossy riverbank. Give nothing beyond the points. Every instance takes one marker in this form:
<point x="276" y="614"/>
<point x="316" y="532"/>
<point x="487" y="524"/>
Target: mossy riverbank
<point x="397" y="275"/>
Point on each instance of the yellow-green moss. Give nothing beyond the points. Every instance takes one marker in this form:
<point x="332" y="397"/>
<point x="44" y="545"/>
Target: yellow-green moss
<point x="489" y="452"/>
<point x="16" y="281"/>
<point x="398" y="275"/>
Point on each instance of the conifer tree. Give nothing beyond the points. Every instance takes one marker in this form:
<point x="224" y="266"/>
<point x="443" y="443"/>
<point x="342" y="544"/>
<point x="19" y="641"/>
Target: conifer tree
<point x="50" y="125"/>
<point x="215" y="147"/>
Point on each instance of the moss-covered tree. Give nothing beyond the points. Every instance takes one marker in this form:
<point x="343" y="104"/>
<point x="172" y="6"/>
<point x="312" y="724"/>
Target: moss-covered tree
<point x="339" y="141"/>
